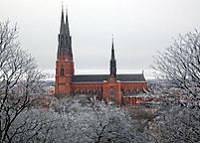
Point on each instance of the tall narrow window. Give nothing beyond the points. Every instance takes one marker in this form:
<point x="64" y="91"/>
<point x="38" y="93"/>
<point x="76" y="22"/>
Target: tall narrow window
<point x="62" y="71"/>
<point x="111" y="94"/>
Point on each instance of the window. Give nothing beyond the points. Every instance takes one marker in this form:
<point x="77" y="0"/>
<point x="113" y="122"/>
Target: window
<point x="62" y="71"/>
<point x="111" y="94"/>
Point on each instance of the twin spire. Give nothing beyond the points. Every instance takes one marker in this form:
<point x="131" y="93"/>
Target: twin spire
<point x="64" y="38"/>
<point x="64" y="26"/>
<point x="65" y="47"/>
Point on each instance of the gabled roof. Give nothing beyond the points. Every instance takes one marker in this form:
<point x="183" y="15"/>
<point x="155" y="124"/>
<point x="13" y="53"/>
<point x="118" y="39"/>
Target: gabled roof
<point x="101" y="78"/>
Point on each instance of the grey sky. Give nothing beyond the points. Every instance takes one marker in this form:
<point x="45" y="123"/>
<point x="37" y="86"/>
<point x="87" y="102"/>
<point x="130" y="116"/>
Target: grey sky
<point x="140" y="28"/>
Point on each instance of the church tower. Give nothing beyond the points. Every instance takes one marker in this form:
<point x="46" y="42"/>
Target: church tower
<point x="113" y="69"/>
<point x="64" y="63"/>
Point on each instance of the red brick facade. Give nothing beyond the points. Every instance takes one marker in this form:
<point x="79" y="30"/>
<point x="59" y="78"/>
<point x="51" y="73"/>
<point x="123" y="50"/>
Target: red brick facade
<point x="109" y="87"/>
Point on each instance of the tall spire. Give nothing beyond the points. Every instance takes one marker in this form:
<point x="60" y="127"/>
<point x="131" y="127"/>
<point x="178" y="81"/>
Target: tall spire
<point x="62" y="23"/>
<point x="68" y="34"/>
<point x="64" y="38"/>
<point x="113" y="69"/>
<point x="67" y="22"/>
<point x="113" y="51"/>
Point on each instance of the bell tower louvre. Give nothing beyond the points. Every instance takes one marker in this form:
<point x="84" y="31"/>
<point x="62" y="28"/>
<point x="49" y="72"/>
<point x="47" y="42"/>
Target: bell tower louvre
<point x="119" y="88"/>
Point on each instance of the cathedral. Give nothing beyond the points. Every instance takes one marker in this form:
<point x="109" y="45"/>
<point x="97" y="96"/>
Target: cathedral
<point x="119" y="88"/>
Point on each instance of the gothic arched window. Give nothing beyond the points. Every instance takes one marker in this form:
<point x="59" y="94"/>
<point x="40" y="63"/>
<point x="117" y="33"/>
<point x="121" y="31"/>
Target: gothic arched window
<point x="62" y="71"/>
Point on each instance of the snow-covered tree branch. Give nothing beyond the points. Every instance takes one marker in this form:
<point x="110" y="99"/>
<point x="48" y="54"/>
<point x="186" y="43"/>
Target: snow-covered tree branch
<point x="179" y="68"/>
<point x="18" y="78"/>
<point x="179" y="65"/>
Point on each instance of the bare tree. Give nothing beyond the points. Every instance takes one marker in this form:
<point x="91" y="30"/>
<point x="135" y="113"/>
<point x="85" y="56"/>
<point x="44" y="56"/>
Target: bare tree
<point x="18" y="78"/>
<point x="75" y="122"/>
<point x="179" y="65"/>
<point x="98" y="122"/>
<point x="179" y="68"/>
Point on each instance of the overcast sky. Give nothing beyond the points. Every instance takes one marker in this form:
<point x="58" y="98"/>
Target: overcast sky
<point x="140" y="27"/>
